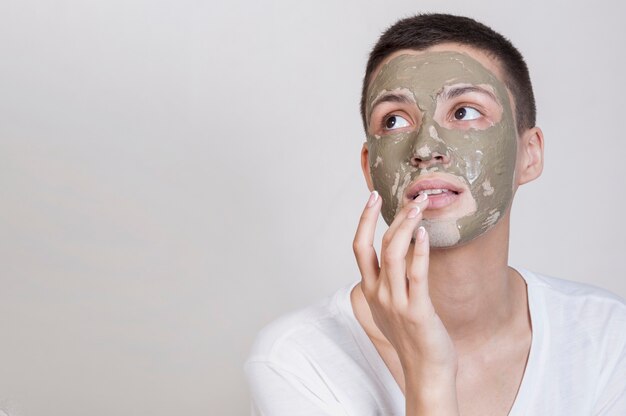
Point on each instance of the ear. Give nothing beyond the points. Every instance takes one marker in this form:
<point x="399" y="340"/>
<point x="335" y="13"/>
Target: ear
<point x="530" y="156"/>
<point x="365" y="167"/>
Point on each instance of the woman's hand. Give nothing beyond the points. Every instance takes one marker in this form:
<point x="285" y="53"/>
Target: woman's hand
<point x="396" y="290"/>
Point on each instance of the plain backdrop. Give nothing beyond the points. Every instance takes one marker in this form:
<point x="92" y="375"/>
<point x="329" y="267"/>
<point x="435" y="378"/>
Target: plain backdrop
<point x="176" y="174"/>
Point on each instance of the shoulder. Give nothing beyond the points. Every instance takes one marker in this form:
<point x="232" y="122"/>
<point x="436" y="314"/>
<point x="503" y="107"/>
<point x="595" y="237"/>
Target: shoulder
<point x="578" y="311"/>
<point x="313" y="360"/>
<point x="288" y="338"/>
<point x="568" y="293"/>
<point x="578" y="352"/>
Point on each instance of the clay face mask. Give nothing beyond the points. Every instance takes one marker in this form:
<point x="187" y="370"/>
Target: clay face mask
<point x="442" y="123"/>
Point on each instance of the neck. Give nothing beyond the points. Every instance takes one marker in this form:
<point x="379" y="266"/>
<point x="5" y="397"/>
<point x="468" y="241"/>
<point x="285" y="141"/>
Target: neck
<point x="472" y="288"/>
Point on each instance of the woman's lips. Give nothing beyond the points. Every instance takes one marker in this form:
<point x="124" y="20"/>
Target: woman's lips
<point x="440" y="198"/>
<point x="441" y="193"/>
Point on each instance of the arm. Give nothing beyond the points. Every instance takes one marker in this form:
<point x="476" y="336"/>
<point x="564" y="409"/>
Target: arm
<point x="396" y="290"/>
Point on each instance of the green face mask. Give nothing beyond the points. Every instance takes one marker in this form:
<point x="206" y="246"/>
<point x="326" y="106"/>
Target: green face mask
<point x="442" y="123"/>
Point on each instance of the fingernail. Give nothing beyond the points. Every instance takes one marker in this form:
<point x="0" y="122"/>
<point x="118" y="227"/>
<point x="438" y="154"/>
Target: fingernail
<point x="421" y="233"/>
<point x="422" y="197"/>
<point x="373" y="199"/>
<point x="413" y="212"/>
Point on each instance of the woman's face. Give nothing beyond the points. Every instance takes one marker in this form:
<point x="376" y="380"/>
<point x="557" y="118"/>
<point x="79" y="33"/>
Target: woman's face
<point x="440" y="122"/>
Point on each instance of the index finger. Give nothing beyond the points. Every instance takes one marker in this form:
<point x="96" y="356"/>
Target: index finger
<point x="363" y="244"/>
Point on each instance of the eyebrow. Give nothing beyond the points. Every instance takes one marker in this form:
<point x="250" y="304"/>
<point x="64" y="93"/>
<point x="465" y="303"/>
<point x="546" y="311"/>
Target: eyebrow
<point x="458" y="91"/>
<point x="392" y="98"/>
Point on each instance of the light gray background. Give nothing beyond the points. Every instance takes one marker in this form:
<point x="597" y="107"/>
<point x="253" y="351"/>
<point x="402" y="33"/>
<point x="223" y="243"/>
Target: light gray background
<point x="176" y="174"/>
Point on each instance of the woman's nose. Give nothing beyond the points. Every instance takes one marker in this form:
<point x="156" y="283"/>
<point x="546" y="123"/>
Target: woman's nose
<point x="429" y="149"/>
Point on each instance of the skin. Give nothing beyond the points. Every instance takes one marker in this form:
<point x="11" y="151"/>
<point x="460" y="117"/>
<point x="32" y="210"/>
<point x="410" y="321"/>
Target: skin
<point x="451" y="324"/>
<point x="478" y="154"/>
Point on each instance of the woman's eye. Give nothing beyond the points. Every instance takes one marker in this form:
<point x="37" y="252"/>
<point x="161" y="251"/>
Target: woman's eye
<point x="395" y="122"/>
<point x="466" y="113"/>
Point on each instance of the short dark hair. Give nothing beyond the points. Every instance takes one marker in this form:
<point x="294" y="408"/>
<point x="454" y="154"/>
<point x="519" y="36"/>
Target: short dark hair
<point x="422" y="31"/>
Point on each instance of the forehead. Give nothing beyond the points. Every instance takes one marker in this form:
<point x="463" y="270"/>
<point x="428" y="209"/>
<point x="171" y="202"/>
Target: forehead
<point x="430" y="71"/>
<point x="487" y="62"/>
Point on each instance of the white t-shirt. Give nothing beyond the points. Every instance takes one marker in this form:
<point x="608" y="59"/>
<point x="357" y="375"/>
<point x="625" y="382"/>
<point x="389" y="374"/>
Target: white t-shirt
<point x="319" y="360"/>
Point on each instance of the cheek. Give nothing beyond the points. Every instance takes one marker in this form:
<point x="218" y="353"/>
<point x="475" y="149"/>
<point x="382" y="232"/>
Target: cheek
<point x="390" y="171"/>
<point x="491" y="169"/>
<point x="488" y="163"/>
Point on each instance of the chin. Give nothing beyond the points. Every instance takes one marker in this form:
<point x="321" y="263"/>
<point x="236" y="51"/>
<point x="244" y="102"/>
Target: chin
<point x="442" y="233"/>
<point x="449" y="234"/>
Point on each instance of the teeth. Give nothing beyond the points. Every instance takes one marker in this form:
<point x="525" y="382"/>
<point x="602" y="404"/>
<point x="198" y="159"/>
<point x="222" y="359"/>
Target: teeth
<point x="434" y="191"/>
<point x="431" y="192"/>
